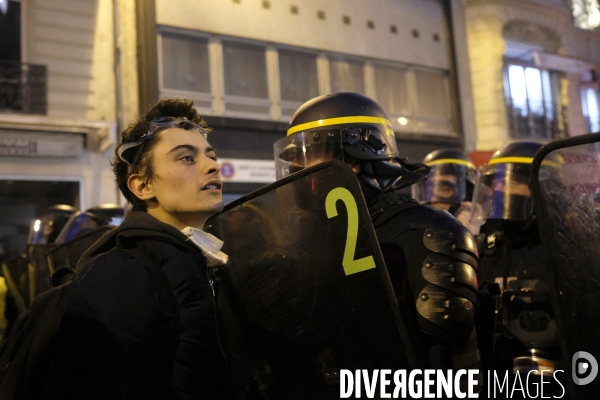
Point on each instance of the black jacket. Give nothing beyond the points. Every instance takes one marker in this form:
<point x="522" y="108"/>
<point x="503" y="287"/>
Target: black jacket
<point x="107" y="338"/>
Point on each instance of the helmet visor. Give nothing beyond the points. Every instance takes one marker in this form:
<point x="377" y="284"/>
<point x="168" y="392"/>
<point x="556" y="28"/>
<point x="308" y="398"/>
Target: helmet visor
<point x="446" y="183"/>
<point x="79" y="224"/>
<point x="502" y="192"/>
<point x="304" y="149"/>
<point x="42" y="231"/>
<point x="46" y="229"/>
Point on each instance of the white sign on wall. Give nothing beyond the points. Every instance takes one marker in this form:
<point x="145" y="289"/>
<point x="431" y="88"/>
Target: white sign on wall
<point x="249" y="171"/>
<point x="40" y="145"/>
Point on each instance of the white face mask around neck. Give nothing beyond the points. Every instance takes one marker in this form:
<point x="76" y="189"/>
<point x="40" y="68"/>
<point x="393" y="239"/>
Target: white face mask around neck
<point x="209" y="244"/>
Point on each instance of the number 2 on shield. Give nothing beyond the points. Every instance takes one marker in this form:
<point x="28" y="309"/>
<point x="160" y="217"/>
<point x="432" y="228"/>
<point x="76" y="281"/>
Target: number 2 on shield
<point x="351" y="266"/>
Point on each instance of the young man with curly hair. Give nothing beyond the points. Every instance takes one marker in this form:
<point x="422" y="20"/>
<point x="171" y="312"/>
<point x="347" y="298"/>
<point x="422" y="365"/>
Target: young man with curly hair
<point x="114" y="343"/>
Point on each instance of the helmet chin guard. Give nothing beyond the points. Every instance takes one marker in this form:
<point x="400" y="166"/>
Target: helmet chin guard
<point x="382" y="176"/>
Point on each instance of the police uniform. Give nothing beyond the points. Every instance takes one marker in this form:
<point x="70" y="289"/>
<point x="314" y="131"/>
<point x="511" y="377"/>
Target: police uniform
<point x="514" y="269"/>
<point x="430" y="256"/>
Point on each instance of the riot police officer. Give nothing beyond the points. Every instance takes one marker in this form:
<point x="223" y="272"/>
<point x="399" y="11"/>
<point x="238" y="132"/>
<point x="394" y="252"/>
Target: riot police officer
<point x="513" y="266"/>
<point x="21" y="280"/>
<point x="81" y="231"/>
<point x="81" y="223"/>
<point x="45" y="229"/>
<point x="430" y="256"/>
<point x="449" y="184"/>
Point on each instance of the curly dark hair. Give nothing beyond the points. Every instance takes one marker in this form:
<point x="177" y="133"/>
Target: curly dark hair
<point x="141" y="156"/>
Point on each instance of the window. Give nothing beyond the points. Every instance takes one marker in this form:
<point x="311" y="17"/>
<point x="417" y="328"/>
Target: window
<point x="248" y="79"/>
<point x="245" y="70"/>
<point x="392" y="89"/>
<point x="431" y="89"/>
<point x="346" y="75"/>
<point x="10" y="31"/>
<point x="591" y="108"/>
<point x="245" y="80"/>
<point x="297" y="75"/>
<point x="298" y="80"/>
<point x="184" y="68"/>
<point x="23" y="87"/>
<point x="415" y="100"/>
<point x="433" y="111"/>
<point x="185" y="64"/>
<point x="530" y="103"/>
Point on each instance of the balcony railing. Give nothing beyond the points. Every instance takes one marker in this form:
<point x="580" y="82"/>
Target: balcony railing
<point x="523" y="123"/>
<point x="23" y="88"/>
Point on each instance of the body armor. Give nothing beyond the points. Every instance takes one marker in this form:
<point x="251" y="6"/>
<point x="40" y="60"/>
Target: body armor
<point x="515" y="280"/>
<point x="513" y="260"/>
<point x="432" y="262"/>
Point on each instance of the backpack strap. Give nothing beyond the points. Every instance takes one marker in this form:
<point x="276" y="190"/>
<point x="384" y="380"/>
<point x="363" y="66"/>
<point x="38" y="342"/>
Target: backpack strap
<point x="168" y="320"/>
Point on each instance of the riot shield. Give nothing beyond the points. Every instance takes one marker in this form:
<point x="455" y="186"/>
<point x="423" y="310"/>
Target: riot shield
<point x="68" y="253"/>
<point x="17" y="272"/>
<point x="566" y="192"/>
<point x="306" y="292"/>
<point x="36" y="254"/>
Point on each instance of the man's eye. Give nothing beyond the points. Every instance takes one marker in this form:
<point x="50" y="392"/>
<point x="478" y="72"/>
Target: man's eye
<point x="212" y="157"/>
<point x="187" y="158"/>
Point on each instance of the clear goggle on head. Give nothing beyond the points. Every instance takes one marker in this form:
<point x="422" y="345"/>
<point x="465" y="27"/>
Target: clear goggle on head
<point x="157" y="126"/>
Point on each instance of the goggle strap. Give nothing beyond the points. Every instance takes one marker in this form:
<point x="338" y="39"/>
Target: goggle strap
<point x="157" y="127"/>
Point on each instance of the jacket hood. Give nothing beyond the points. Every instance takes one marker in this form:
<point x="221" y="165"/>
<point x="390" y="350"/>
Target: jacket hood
<point x="138" y="225"/>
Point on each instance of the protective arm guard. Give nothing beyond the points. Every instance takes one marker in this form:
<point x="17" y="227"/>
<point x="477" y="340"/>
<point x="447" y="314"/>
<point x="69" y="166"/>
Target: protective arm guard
<point x="449" y="296"/>
<point x="441" y="266"/>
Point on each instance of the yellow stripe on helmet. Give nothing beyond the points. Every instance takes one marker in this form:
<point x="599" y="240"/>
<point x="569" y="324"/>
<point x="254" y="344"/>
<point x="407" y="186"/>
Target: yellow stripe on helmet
<point x="518" y="160"/>
<point x="552" y="164"/>
<point x="522" y="160"/>
<point x="338" y="121"/>
<point x="451" y="161"/>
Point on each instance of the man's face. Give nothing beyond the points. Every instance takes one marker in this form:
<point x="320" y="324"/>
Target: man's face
<point x="512" y="187"/>
<point x="444" y="188"/>
<point x="309" y="160"/>
<point x="186" y="180"/>
<point x="303" y="161"/>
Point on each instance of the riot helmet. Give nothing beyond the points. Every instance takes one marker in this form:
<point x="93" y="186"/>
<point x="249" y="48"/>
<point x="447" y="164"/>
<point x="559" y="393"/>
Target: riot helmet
<point x="44" y="230"/>
<point x="348" y="127"/>
<point x="502" y="190"/>
<point x="83" y="222"/>
<point x="452" y="172"/>
<point x="113" y="214"/>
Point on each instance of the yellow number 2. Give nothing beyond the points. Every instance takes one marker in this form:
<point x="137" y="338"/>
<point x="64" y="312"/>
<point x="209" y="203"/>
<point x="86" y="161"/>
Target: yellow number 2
<point x="351" y="266"/>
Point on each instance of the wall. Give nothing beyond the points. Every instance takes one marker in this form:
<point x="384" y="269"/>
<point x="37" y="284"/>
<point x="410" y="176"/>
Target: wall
<point x="126" y="43"/>
<point x="74" y="39"/>
<point x="486" y="48"/>
<point x="250" y="19"/>
<point x="463" y="71"/>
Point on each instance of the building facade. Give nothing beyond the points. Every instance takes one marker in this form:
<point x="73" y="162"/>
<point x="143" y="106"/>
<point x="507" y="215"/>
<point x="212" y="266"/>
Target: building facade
<point x="74" y="72"/>
<point x="60" y="106"/>
<point x="249" y="64"/>
<point x="534" y="68"/>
